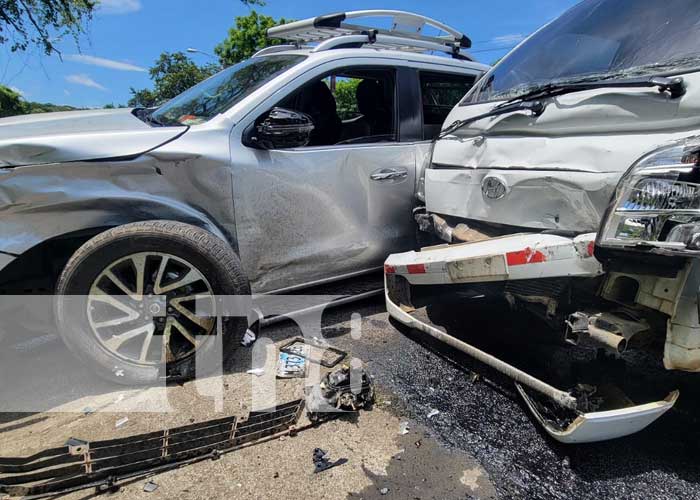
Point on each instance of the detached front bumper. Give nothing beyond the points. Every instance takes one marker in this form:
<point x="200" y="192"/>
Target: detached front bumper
<point x="513" y="263"/>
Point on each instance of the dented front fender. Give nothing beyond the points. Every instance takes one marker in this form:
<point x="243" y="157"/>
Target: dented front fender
<point x="42" y="202"/>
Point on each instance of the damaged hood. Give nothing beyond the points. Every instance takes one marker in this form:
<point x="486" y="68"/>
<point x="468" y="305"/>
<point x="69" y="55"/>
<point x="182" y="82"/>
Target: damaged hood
<point x="557" y="170"/>
<point x="78" y="136"/>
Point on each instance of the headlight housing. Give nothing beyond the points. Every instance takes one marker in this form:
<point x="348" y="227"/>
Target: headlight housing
<point x="657" y="203"/>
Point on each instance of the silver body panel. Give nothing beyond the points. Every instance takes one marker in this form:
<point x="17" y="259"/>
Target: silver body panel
<point x="294" y="216"/>
<point x="77" y="135"/>
<point x="561" y="168"/>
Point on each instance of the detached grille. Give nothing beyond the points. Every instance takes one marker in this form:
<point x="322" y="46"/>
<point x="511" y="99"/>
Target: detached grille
<point x="103" y="464"/>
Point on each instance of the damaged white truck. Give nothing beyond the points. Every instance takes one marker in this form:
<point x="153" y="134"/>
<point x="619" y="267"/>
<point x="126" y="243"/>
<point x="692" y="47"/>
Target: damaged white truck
<point x="568" y="182"/>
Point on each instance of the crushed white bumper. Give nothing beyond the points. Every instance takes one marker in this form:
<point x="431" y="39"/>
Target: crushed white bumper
<point x="516" y="257"/>
<point x="524" y="256"/>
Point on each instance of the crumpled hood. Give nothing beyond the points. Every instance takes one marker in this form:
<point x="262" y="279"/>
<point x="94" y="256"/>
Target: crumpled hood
<point x="558" y="170"/>
<point x="78" y="136"/>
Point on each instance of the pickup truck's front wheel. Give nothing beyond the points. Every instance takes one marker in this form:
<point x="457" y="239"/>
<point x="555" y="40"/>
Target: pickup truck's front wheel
<point x="137" y="302"/>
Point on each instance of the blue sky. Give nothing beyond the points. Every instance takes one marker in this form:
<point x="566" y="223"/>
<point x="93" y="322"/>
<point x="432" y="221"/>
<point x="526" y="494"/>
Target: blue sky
<point x="126" y="36"/>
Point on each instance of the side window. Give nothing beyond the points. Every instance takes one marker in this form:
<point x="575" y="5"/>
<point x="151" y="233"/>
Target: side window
<point x="440" y="92"/>
<point x="354" y="105"/>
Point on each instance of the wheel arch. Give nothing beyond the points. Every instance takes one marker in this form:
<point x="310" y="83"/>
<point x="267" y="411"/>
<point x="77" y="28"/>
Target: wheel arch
<point x="42" y="250"/>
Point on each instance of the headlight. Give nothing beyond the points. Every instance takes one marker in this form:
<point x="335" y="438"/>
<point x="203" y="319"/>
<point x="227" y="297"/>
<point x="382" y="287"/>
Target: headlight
<point x="657" y="202"/>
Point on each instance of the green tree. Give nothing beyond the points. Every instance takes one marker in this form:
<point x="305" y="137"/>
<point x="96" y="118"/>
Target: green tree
<point x="10" y="102"/>
<point x="42" y="22"/>
<point x="172" y="74"/>
<point x="246" y="38"/>
<point x="346" y="98"/>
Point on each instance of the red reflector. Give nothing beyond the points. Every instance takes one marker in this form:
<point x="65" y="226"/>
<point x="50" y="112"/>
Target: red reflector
<point x="591" y="248"/>
<point x="527" y="256"/>
<point x="389" y="269"/>
<point x="416" y="268"/>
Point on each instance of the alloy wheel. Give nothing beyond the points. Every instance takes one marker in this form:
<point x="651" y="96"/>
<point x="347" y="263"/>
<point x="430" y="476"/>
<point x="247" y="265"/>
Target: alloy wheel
<point x="151" y="308"/>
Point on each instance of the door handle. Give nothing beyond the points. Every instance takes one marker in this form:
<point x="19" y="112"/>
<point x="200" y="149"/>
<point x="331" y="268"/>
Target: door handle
<point x="385" y="174"/>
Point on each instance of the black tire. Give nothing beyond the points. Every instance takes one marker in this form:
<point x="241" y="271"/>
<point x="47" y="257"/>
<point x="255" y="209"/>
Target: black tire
<point x="210" y="255"/>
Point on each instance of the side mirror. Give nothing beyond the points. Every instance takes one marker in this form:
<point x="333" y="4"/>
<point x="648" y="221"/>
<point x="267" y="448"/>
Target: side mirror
<point x="282" y="128"/>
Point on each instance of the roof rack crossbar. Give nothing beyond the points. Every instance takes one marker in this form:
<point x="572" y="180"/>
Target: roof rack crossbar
<point x="406" y="31"/>
<point x="387" y="41"/>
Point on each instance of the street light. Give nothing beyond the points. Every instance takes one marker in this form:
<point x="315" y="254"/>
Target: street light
<point x="197" y="51"/>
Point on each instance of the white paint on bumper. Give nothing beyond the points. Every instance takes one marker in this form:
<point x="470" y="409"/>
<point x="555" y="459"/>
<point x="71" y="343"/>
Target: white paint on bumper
<point x="605" y="425"/>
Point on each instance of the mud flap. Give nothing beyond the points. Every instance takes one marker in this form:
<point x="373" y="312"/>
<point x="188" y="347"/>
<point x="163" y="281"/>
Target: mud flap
<point x="601" y="425"/>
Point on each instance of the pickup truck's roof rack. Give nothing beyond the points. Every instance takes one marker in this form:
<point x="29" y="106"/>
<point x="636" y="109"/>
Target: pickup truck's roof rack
<point x="406" y="33"/>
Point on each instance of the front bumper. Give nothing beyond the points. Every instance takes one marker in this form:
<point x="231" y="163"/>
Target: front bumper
<point x="495" y="264"/>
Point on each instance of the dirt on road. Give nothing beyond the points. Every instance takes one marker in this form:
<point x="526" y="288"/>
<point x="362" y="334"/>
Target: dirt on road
<point x="388" y="456"/>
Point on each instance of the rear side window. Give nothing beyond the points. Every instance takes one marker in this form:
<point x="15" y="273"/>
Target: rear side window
<point x="440" y="92"/>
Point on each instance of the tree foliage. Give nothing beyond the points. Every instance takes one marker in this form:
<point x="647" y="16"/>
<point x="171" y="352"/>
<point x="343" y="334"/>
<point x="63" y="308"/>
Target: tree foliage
<point x="42" y="22"/>
<point x="246" y="38"/>
<point x="172" y="74"/>
<point x="11" y="104"/>
<point x="346" y="98"/>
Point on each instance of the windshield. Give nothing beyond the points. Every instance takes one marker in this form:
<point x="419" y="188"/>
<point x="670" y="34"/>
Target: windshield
<point x="600" y="39"/>
<point x="218" y="93"/>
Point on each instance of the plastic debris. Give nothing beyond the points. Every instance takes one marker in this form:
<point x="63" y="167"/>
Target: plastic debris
<point x="384" y="491"/>
<point x="121" y="422"/>
<point x="403" y="428"/>
<point x="322" y="462"/>
<point x="150" y="487"/>
<point x="88" y="410"/>
<point x="258" y="372"/>
<point x="433" y="412"/>
<point x="345" y="389"/>
<point x="249" y="338"/>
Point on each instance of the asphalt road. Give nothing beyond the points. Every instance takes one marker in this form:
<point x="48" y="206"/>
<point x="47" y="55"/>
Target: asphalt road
<point x="487" y="419"/>
<point x="481" y="421"/>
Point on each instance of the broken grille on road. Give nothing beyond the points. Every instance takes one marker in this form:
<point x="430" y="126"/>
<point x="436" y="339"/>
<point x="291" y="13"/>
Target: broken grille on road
<point x="104" y="464"/>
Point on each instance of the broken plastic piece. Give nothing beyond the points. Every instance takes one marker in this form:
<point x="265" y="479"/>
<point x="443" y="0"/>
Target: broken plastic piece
<point x="258" y="372"/>
<point x="403" y="428"/>
<point x="600" y="425"/>
<point x="433" y="412"/>
<point x="322" y="462"/>
<point x="345" y="389"/>
<point x="249" y="338"/>
<point x="150" y="487"/>
<point x="121" y="422"/>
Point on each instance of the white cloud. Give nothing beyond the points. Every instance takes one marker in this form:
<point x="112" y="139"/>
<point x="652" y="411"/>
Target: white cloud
<point x="104" y="63"/>
<point x="508" y="39"/>
<point x="119" y="6"/>
<point x="85" y="81"/>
